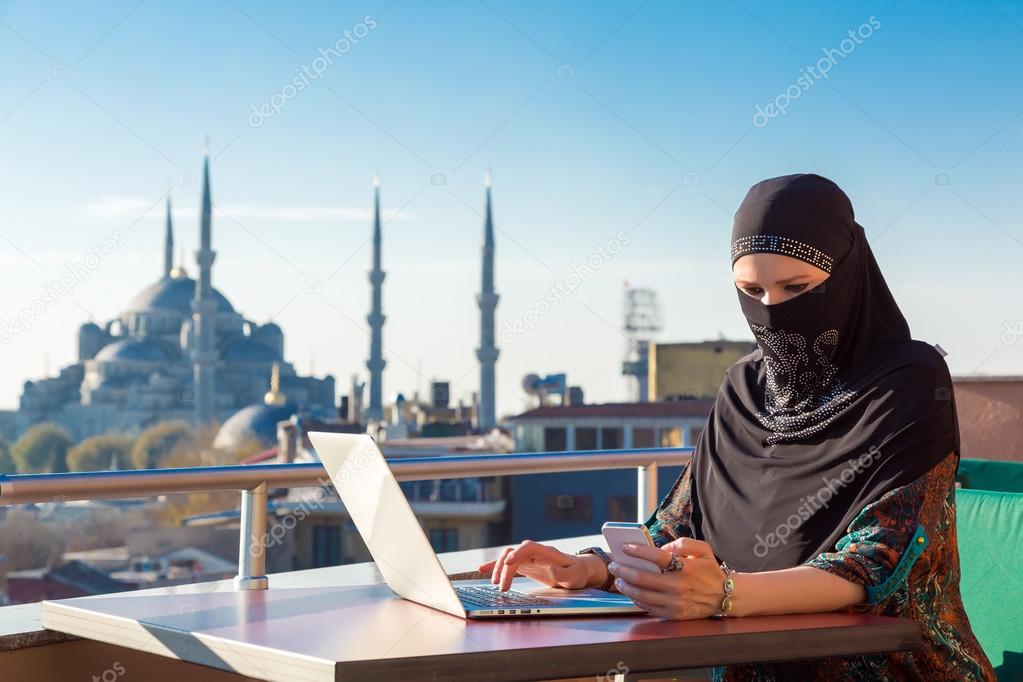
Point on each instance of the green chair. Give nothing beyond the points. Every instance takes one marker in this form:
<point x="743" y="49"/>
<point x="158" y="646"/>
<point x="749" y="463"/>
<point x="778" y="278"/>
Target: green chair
<point x="985" y="474"/>
<point x="989" y="526"/>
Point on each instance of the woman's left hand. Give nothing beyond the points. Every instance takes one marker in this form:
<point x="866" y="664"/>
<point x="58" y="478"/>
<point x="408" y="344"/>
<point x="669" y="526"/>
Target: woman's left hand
<point x="695" y="591"/>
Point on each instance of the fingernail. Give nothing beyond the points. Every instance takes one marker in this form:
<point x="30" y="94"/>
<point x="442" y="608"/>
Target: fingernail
<point x="612" y="567"/>
<point x="628" y="545"/>
<point x="619" y="583"/>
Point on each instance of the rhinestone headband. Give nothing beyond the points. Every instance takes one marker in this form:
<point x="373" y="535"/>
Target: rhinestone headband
<point x="786" y="246"/>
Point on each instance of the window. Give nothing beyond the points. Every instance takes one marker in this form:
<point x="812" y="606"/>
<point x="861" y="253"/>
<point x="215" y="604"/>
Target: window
<point x="611" y="438"/>
<point x="671" y="438"/>
<point x="644" y="438"/>
<point x="694" y="434"/>
<point x="326" y="546"/>
<point x="444" y="539"/>
<point x="569" y="508"/>
<point x="555" y="439"/>
<point x="528" y="438"/>
<point x="585" y="438"/>
<point x="621" y="508"/>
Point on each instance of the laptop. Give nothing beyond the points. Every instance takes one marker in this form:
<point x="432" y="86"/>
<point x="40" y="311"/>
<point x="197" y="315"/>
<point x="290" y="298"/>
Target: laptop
<point x="405" y="558"/>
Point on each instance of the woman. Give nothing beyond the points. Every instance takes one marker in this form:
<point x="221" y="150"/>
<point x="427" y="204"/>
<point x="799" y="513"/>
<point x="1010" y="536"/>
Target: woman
<point x="825" y="478"/>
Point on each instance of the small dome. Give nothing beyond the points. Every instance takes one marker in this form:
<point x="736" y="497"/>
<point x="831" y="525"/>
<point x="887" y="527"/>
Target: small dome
<point x="255" y="423"/>
<point x="247" y="349"/>
<point x="174" y="293"/>
<point x="90" y="328"/>
<point x="128" y="349"/>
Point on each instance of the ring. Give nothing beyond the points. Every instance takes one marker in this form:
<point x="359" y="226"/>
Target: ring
<point x="675" y="564"/>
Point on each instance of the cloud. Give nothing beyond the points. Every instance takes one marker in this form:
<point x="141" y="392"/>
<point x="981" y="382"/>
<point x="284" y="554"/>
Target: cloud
<point x="108" y="209"/>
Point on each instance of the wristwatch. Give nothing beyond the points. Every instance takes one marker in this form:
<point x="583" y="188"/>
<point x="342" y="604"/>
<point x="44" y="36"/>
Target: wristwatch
<point x="600" y="553"/>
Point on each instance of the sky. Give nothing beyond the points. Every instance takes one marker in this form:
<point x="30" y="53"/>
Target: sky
<point x="627" y="127"/>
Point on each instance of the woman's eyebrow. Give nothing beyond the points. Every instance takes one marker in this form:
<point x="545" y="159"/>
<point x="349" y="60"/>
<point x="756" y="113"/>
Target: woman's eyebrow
<point x="789" y="280"/>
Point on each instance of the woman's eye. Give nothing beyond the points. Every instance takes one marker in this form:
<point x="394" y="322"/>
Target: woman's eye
<point x="796" y="288"/>
<point x="753" y="291"/>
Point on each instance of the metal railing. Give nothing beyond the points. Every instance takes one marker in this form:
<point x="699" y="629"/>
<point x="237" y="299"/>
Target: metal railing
<point x="254" y="480"/>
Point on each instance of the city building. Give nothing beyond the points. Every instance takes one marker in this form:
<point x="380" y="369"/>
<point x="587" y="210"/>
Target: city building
<point x="546" y="506"/>
<point x="990" y="410"/>
<point x="692" y="369"/>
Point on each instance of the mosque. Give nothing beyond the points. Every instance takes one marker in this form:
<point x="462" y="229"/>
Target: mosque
<point x="178" y="351"/>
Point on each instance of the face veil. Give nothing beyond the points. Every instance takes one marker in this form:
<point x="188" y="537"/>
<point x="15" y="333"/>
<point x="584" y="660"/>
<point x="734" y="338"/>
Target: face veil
<point x="836" y="381"/>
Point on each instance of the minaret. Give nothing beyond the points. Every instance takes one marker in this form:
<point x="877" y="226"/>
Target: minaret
<point x="376" y="362"/>
<point x="168" y="243"/>
<point x="487" y="352"/>
<point x="204" y="311"/>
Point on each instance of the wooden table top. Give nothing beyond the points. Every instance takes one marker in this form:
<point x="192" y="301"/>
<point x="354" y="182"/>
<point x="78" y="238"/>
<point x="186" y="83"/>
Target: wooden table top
<point x="351" y="632"/>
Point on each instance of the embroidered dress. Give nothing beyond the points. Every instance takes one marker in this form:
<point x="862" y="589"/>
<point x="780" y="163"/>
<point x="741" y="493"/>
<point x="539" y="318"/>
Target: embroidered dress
<point x="902" y="549"/>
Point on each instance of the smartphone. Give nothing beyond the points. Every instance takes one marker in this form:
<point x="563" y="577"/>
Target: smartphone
<point x="618" y="533"/>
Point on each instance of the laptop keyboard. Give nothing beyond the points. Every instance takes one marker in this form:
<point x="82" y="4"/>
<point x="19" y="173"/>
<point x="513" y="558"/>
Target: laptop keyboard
<point x="483" y="595"/>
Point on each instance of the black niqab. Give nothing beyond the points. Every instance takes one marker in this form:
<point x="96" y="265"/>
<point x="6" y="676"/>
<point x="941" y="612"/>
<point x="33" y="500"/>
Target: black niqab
<point x="836" y="407"/>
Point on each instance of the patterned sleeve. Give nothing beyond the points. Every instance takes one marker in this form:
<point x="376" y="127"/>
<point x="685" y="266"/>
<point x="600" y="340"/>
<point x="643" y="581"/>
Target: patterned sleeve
<point x="884" y="541"/>
<point x="673" y="516"/>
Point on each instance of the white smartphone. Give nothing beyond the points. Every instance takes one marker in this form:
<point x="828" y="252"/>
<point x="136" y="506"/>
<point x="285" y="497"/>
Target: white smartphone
<point x="618" y="533"/>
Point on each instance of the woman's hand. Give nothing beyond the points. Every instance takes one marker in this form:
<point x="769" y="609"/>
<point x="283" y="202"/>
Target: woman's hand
<point x="696" y="591"/>
<point x="547" y="565"/>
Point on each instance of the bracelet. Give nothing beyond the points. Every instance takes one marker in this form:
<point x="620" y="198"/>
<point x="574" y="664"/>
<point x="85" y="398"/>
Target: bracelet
<point x="602" y="555"/>
<point x="729" y="586"/>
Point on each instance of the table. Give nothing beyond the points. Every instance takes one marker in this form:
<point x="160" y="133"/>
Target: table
<point x="321" y="633"/>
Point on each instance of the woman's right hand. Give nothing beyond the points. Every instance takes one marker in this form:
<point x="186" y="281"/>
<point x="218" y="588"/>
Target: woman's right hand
<point x="547" y="565"/>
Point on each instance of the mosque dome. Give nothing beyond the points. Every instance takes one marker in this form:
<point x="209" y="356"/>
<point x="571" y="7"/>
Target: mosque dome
<point x="255" y="423"/>
<point x="132" y="350"/>
<point x="174" y="293"/>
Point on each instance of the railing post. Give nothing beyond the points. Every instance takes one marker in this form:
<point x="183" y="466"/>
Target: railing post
<point x="646" y="491"/>
<point x="252" y="541"/>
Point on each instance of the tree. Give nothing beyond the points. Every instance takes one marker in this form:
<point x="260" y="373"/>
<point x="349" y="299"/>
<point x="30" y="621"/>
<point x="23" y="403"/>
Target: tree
<point x="159" y="441"/>
<point x="6" y="463"/>
<point x="42" y="449"/>
<point x="97" y="453"/>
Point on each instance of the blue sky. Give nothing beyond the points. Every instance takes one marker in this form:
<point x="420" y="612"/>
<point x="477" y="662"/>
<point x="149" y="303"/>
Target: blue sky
<point x="596" y="118"/>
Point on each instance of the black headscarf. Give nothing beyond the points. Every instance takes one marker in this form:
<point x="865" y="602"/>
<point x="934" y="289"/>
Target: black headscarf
<point x="836" y="407"/>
